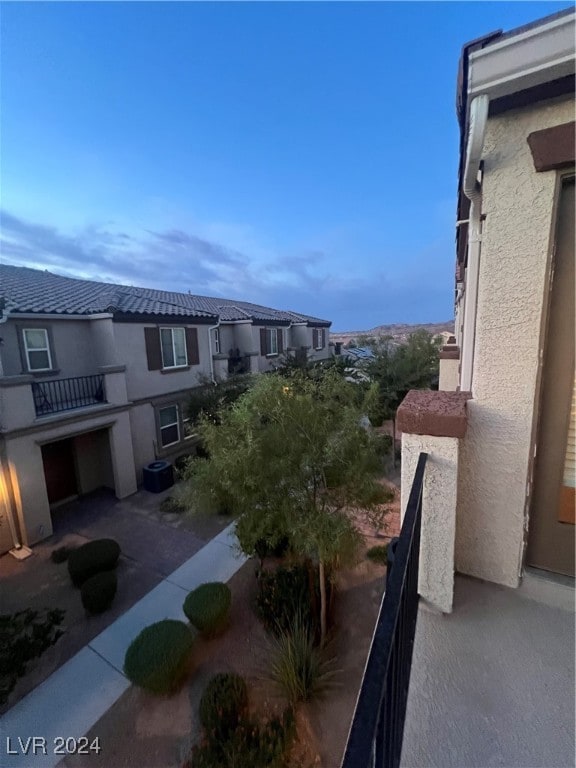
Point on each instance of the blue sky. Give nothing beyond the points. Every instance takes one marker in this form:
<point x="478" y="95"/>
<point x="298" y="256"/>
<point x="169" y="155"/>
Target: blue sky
<point x="300" y="155"/>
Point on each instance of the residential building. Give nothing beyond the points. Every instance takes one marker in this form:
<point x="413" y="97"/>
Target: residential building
<point x="94" y="380"/>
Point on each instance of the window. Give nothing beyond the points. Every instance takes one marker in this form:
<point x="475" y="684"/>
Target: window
<point x="318" y="338"/>
<point x="272" y="340"/>
<point x="173" y="342"/>
<point x="217" y="341"/>
<point x="37" y="349"/>
<point x="169" y="429"/>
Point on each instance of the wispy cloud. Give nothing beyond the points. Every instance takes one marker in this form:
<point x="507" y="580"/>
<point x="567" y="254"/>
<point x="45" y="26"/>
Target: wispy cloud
<point x="179" y="260"/>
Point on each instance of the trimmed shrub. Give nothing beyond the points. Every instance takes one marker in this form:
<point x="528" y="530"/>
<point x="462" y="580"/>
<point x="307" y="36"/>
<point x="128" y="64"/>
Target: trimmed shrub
<point x="98" y="591"/>
<point x="378" y="554"/>
<point x="92" y="558"/>
<point x="223" y="704"/>
<point x="207" y="607"/>
<point x="251" y="745"/>
<point x="299" y="668"/>
<point x="158" y="658"/>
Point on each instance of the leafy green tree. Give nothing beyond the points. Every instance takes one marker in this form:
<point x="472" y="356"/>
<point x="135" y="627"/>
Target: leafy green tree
<point x="398" y="369"/>
<point x="293" y="456"/>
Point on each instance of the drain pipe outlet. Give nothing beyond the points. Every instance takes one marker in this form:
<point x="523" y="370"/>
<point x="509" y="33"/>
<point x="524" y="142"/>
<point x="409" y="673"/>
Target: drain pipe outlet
<point x="473" y="191"/>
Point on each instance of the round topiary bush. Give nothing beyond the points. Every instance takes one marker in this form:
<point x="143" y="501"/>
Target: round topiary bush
<point x="98" y="591"/>
<point x="207" y="607"/>
<point x="92" y="558"/>
<point x="158" y="658"/>
<point x="222" y="706"/>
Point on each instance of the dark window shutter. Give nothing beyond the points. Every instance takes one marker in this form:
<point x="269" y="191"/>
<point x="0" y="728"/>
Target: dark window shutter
<point x="263" y="345"/>
<point x="153" y="351"/>
<point x="280" y="336"/>
<point x="192" y="346"/>
<point x="323" y="337"/>
<point x="314" y="338"/>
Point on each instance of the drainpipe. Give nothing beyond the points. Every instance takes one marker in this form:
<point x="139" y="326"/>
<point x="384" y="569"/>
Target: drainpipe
<point x="473" y="191"/>
<point x="212" y="328"/>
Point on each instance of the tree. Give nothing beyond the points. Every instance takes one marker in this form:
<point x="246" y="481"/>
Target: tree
<point x="294" y="458"/>
<point x="396" y="370"/>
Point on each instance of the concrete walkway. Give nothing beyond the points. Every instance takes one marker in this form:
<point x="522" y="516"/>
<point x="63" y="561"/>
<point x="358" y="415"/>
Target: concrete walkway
<point x="76" y="696"/>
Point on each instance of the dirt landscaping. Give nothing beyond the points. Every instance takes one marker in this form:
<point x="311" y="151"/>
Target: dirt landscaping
<point x="158" y="732"/>
<point x="154" y="543"/>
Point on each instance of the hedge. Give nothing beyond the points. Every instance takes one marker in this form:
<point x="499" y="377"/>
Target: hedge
<point x="207" y="607"/>
<point x="157" y="659"/>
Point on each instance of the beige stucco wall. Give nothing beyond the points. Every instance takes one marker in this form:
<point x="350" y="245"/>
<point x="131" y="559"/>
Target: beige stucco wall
<point x="514" y="271"/>
<point x="143" y="429"/>
<point x="23" y="460"/>
<point x="439" y="500"/>
<point x="140" y="382"/>
<point x="449" y="375"/>
<point x="93" y="461"/>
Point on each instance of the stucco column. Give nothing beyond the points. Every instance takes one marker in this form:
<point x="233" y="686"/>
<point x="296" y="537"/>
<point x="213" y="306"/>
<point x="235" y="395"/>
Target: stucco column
<point x="449" y="367"/>
<point x="115" y="384"/>
<point x="434" y="423"/>
<point x="122" y="457"/>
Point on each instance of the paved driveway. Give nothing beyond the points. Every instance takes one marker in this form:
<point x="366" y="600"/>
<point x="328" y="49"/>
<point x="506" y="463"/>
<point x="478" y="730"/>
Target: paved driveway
<point x="153" y="545"/>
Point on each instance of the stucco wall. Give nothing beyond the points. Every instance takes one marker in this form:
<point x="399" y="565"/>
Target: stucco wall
<point x="71" y="347"/>
<point x="439" y="499"/>
<point x="514" y="270"/>
<point x="143" y="429"/>
<point x="23" y="455"/>
<point x="93" y="461"/>
<point x="131" y="351"/>
<point x="449" y="375"/>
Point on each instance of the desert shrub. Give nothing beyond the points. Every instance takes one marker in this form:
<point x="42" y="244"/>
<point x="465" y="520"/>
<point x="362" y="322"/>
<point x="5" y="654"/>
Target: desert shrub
<point x="98" y="591"/>
<point x="252" y="744"/>
<point x="286" y="593"/>
<point x="158" y="658"/>
<point x="172" y="505"/>
<point x="207" y="607"/>
<point x="223" y="704"/>
<point x="378" y="554"/>
<point x="298" y="667"/>
<point x="92" y="558"/>
<point x="61" y="554"/>
<point x="24" y="636"/>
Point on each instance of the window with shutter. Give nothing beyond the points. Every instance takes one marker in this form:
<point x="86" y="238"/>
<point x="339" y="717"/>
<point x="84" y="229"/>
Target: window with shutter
<point x="272" y="341"/>
<point x="173" y="344"/>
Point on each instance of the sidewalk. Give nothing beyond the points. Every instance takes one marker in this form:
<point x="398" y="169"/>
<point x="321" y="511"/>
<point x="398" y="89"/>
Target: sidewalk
<point x="70" y="701"/>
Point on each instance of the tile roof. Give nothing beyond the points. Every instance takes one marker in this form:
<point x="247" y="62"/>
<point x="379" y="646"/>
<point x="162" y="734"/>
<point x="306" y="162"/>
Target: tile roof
<point x="36" y="291"/>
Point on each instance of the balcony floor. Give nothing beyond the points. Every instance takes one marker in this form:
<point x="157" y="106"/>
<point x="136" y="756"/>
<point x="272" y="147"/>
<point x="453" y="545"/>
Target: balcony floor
<point x="493" y="683"/>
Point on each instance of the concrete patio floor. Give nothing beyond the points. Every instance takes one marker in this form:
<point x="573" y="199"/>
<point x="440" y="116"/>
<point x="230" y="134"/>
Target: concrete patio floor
<point x="493" y="683"/>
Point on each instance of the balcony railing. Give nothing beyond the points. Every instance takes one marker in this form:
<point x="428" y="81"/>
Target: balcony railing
<point x="375" y="738"/>
<point x="66" y="394"/>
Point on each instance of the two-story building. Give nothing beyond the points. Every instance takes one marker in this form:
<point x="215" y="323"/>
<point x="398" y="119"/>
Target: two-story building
<point x="94" y="380"/>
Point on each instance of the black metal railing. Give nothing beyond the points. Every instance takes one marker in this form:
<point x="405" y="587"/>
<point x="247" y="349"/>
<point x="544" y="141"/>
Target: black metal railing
<point x="66" y="394"/>
<point x="375" y="738"/>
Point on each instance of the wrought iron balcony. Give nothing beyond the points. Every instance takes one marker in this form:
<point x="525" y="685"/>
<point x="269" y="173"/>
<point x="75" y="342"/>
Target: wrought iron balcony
<point x="375" y="738"/>
<point x="59" y="395"/>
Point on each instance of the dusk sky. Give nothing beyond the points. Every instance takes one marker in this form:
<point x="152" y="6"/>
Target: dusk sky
<point x="298" y="155"/>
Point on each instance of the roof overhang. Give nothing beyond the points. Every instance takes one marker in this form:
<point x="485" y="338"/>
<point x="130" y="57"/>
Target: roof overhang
<point x="525" y="60"/>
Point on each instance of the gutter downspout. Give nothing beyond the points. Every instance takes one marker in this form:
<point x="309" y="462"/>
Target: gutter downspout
<point x="473" y="191"/>
<point x="212" y="328"/>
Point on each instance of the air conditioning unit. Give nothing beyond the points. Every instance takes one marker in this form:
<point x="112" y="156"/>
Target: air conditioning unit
<point x="158" y="476"/>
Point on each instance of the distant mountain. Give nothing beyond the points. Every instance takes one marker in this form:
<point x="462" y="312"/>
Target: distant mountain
<point x="398" y="332"/>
